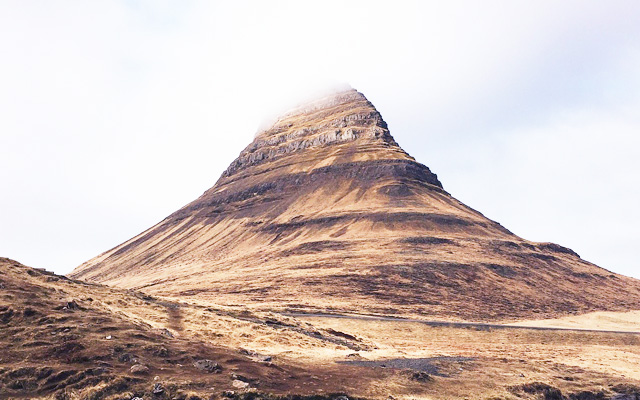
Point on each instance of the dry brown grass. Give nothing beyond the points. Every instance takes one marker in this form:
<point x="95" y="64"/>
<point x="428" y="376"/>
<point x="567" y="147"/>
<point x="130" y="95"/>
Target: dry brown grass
<point x="325" y="213"/>
<point x="351" y="226"/>
<point x="309" y="355"/>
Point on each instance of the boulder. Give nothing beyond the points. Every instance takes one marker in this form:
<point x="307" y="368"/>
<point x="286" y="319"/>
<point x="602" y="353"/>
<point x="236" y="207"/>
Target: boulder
<point x="157" y="389"/>
<point x="139" y="369"/>
<point x="238" y="384"/>
<point x="207" y="365"/>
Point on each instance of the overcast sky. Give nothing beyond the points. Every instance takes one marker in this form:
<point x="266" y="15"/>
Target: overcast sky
<point x="113" y="114"/>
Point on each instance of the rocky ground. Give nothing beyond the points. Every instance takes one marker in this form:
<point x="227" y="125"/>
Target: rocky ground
<point x="62" y="339"/>
<point x="66" y="339"/>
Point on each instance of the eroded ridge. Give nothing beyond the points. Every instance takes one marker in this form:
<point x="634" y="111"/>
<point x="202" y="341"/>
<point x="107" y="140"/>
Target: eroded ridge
<point x="324" y="212"/>
<point x="339" y="118"/>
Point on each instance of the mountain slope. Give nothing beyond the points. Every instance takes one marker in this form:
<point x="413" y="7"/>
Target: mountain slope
<point x="325" y="212"/>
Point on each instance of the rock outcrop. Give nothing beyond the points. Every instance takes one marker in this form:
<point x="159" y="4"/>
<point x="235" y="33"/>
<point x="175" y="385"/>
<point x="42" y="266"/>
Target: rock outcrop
<point x="323" y="211"/>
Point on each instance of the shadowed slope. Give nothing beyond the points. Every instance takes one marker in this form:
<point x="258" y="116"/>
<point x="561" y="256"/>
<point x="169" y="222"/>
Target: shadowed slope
<point x="324" y="211"/>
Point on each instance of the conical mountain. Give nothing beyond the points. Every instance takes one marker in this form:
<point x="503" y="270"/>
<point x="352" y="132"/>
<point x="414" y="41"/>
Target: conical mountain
<point x="323" y="211"/>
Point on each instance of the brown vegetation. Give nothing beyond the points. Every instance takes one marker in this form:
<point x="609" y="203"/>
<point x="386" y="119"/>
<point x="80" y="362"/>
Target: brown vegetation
<point x="325" y="264"/>
<point x="66" y="339"/>
<point x="324" y="212"/>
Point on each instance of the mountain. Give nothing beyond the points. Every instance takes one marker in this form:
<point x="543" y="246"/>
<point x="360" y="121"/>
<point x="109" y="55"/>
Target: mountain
<point x="324" y="212"/>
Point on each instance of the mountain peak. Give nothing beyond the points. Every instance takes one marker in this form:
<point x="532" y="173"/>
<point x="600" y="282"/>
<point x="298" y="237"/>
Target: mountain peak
<point x="330" y="121"/>
<point x="324" y="211"/>
<point x="337" y="101"/>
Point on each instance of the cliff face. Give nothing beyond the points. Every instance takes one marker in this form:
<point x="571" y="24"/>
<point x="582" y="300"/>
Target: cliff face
<point x="324" y="211"/>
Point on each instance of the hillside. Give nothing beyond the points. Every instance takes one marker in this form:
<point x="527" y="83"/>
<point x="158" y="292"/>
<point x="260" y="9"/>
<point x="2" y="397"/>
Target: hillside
<point x="65" y="339"/>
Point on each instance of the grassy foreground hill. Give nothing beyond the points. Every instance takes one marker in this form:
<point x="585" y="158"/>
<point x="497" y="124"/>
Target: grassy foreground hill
<point x="67" y="339"/>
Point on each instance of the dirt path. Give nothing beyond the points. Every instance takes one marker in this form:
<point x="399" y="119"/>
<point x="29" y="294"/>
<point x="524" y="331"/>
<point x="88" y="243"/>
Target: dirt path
<point x="475" y="325"/>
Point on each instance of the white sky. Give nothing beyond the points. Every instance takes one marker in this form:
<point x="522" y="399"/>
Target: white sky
<point x="113" y="114"/>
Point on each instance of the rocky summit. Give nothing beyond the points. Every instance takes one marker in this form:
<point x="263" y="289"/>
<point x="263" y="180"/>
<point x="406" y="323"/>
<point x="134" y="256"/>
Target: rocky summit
<point x="324" y="212"/>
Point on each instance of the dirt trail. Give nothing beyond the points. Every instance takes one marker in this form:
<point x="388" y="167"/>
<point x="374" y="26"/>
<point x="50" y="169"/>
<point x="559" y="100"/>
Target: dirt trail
<point x="475" y="325"/>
